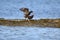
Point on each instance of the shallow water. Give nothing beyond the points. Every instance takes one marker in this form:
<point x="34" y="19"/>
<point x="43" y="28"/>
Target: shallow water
<point x="28" y="33"/>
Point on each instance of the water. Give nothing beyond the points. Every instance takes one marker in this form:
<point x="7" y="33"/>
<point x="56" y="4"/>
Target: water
<point x="42" y="8"/>
<point x="9" y="9"/>
<point x="28" y="33"/>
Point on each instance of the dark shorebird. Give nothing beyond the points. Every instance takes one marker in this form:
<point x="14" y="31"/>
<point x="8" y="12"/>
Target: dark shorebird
<point x="27" y="13"/>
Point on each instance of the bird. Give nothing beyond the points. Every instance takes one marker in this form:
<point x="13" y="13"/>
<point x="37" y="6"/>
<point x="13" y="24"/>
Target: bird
<point x="30" y="17"/>
<point x="27" y="13"/>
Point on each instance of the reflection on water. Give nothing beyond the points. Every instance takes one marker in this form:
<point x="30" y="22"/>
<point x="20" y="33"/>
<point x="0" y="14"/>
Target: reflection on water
<point x="28" y="33"/>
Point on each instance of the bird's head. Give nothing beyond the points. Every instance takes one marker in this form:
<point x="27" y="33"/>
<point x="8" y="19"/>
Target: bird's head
<point x="24" y="9"/>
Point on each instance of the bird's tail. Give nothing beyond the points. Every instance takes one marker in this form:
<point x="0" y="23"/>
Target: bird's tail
<point x="30" y="17"/>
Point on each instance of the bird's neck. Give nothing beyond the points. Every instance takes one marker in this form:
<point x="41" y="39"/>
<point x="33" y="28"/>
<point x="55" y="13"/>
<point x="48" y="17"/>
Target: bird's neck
<point x="27" y="12"/>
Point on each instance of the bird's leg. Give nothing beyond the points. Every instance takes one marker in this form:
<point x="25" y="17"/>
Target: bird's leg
<point x="28" y="20"/>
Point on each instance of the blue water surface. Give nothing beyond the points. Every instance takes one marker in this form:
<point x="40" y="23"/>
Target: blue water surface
<point x="28" y="33"/>
<point x="9" y="9"/>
